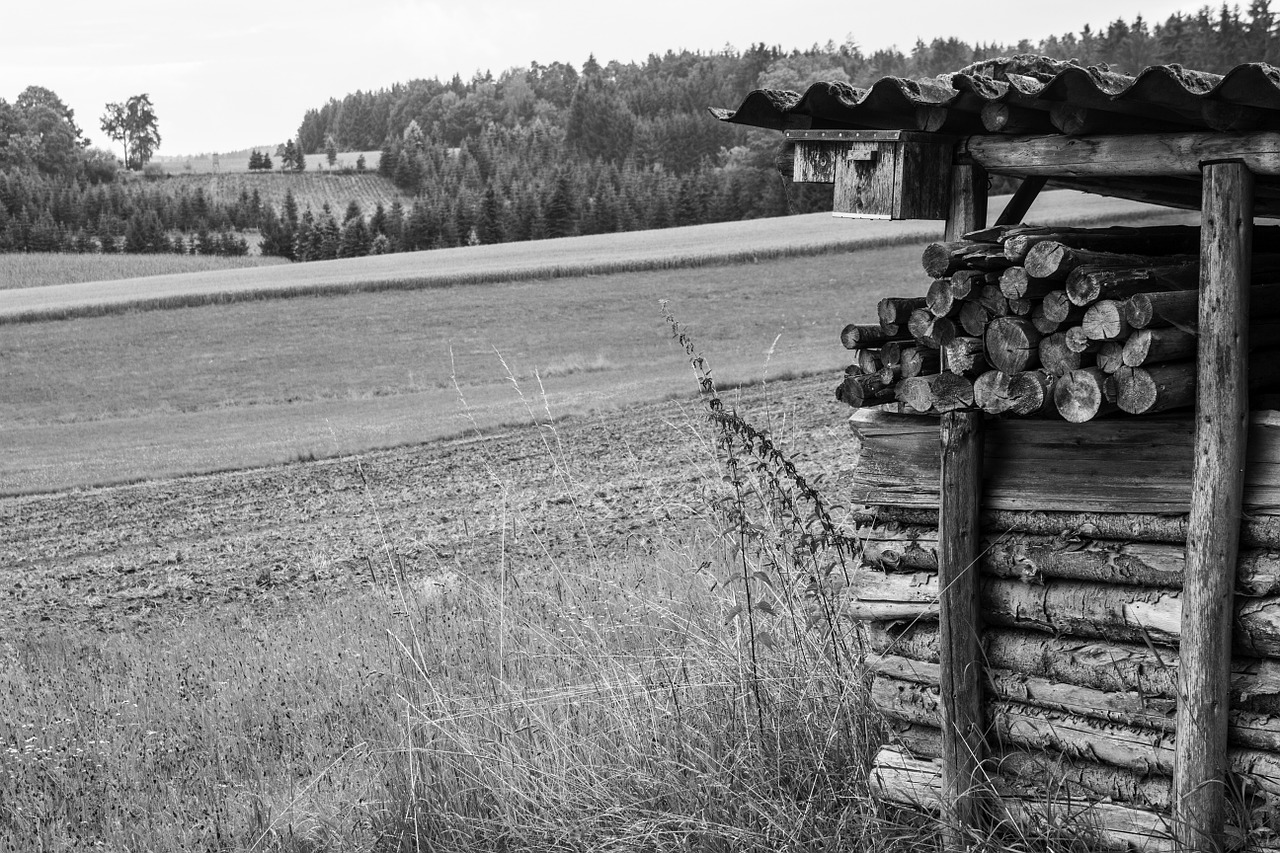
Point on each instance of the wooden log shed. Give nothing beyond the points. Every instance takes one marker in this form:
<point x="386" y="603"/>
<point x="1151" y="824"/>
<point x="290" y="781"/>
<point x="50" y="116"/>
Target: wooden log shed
<point x="1060" y="638"/>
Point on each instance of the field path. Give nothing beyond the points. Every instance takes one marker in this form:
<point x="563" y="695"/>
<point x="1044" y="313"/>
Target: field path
<point x="723" y="242"/>
<point x="538" y="497"/>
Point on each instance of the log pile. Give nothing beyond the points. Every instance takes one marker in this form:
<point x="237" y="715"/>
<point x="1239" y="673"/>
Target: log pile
<point x="1069" y="323"/>
<point x="1081" y="674"/>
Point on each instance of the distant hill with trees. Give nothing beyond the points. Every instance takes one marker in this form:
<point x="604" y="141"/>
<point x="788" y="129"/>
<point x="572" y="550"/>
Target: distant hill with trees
<point x="546" y="151"/>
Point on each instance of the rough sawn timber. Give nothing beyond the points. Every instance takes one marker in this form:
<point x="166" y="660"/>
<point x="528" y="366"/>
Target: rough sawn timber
<point x="1113" y="466"/>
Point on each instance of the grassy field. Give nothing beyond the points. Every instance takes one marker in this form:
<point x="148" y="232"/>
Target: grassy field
<point x="620" y="699"/>
<point x="156" y="393"/>
<point x="585" y="635"/>
<point x="42" y="269"/>
<point x="674" y="248"/>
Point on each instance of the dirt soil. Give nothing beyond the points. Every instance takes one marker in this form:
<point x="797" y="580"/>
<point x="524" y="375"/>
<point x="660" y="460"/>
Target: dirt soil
<point x="139" y="556"/>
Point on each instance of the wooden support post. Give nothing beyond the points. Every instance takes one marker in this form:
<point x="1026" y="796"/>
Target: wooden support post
<point x="963" y="730"/>
<point x="1023" y="197"/>
<point x="1200" y="764"/>
<point x="968" y="201"/>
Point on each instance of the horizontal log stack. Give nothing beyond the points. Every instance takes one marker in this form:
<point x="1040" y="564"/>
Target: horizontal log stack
<point x="1071" y="323"/>
<point x="1080" y="649"/>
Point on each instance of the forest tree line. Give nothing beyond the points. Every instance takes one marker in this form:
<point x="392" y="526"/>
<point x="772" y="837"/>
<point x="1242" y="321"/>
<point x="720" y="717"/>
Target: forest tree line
<point x="547" y="151"/>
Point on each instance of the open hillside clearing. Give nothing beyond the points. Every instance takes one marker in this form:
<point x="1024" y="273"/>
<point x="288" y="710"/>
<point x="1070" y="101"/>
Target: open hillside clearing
<point x="238" y="161"/>
<point x="672" y="248"/>
<point x="311" y="189"/>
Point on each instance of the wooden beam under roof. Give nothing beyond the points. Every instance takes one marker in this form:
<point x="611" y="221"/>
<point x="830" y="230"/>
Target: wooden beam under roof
<point x="1137" y="155"/>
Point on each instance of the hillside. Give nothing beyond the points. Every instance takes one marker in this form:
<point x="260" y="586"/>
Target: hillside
<point x="672" y="248"/>
<point x="238" y="161"/>
<point x="311" y="189"/>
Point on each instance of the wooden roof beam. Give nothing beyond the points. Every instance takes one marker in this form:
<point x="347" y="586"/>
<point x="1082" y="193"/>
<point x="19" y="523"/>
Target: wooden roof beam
<point x="1145" y="155"/>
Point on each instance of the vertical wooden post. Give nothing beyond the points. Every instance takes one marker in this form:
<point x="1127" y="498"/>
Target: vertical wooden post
<point x="1213" y="536"/>
<point x="963" y="731"/>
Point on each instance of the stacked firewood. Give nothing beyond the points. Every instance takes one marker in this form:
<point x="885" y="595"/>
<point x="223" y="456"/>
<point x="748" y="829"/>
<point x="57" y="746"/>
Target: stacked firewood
<point x="1054" y="322"/>
<point x="1080" y="652"/>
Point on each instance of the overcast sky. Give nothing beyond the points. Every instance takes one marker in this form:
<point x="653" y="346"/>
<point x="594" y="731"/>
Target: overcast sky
<point x="232" y="74"/>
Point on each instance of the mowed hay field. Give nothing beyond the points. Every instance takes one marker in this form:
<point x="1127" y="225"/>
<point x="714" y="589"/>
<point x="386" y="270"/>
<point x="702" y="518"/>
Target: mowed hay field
<point x="143" y="394"/>
<point x="41" y="269"/>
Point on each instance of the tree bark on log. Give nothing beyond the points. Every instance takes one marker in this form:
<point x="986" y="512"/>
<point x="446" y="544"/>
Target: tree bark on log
<point x="1022" y="307"/>
<point x="855" y="336"/>
<point x="895" y="311"/>
<point x="1134" y="708"/>
<point x="1143" y="390"/>
<point x="917" y="361"/>
<point x="1057" y="358"/>
<point x="974" y="318"/>
<point x="1258" y="531"/>
<point x="945" y="258"/>
<point x="1080" y="395"/>
<point x="939" y="392"/>
<point x="1104" y="320"/>
<point x="1004" y="118"/>
<point x="991" y="392"/>
<point x="898" y="778"/>
<point x="941" y="299"/>
<point x="1031" y="393"/>
<point x="1055" y="261"/>
<point x="866" y="389"/>
<point x="1016" y="284"/>
<point x="869" y="360"/>
<point x="1078" y="608"/>
<point x="1078" y="341"/>
<point x="1107" y="666"/>
<point x="1180" y="308"/>
<point x="1054" y="311"/>
<point x="933" y="332"/>
<point x="1157" y="240"/>
<point x="1012" y="344"/>
<point x="1088" y="284"/>
<point x="1156" y="346"/>
<point x="1032" y="558"/>
<point x="1110" y="356"/>
<point x="964" y="354"/>
<point x="992" y="299"/>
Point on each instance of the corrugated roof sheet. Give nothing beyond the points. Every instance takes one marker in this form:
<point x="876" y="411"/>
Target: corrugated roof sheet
<point x="1173" y="97"/>
<point x="1036" y="94"/>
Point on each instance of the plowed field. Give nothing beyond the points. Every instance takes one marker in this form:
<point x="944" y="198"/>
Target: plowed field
<point x="526" y="499"/>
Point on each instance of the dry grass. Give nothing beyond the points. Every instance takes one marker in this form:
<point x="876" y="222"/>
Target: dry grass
<point x="621" y="701"/>
<point x="42" y="269"/>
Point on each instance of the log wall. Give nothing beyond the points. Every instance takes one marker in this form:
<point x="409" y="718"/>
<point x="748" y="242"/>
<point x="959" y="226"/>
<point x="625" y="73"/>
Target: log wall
<point x="1084" y="575"/>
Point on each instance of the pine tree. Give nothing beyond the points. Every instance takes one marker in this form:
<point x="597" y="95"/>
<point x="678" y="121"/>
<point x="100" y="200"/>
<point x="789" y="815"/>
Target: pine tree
<point x="560" y="209"/>
<point x="489" y="224"/>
